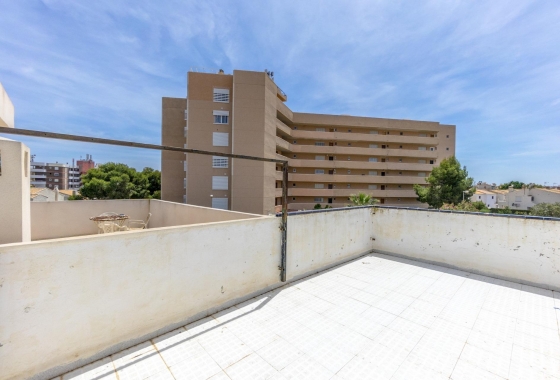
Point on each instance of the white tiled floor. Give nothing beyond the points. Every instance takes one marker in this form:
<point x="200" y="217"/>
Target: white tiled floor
<point x="377" y="317"/>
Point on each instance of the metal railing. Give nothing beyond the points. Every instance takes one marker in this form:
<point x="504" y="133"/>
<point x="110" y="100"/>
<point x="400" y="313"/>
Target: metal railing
<point x="131" y="144"/>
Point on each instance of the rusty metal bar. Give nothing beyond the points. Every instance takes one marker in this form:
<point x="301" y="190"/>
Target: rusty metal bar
<point x="284" y="225"/>
<point x="130" y="144"/>
<point x="96" y="140"/>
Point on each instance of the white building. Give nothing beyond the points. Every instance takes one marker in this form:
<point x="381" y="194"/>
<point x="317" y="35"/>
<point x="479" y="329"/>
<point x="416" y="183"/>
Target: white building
<point x="489" y="198"/>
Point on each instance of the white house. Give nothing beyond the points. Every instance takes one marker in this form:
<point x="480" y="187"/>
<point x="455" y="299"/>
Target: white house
<point x="489" y="198"/>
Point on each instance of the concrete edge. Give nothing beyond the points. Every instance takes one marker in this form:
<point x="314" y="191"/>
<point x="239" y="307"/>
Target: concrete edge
<point x="62" y="369"/>
<point x="473" y="271"/>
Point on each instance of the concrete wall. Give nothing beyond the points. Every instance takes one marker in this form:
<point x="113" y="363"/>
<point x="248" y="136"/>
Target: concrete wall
<point x="319" y="239"/>
<point x="52" y="220"/>
<point x="519" y="249"/>
<point x="14" y="192"/>
<point x="6" y="109"/>
<point x="68" y="299"/>
<point x="165" y="214"/>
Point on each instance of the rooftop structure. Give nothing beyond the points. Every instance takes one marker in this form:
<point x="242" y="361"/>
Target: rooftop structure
<point x="386" y="292"/>
<point x="6" y="109"/>
<point x="330" y="156"/>
<point x="41" y="194"/>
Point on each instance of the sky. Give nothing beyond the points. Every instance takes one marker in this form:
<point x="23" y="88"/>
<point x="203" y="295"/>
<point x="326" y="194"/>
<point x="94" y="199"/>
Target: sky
<point x="100" y="68"/>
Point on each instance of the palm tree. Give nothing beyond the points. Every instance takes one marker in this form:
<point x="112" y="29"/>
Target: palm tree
<point x="362" y="199"/>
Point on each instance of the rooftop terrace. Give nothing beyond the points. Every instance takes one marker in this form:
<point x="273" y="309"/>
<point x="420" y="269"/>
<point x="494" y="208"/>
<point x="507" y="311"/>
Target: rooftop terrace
<point x="377" y="317"/>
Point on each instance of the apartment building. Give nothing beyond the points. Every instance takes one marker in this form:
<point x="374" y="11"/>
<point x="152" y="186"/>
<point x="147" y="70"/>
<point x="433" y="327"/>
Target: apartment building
<point x="49" y="175"/>
<point x="330" y="156"/>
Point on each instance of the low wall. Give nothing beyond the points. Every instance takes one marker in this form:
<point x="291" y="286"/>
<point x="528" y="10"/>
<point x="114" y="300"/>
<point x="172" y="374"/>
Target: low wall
<point x="52" y="220"/>
<point x="165" y="214"/>
<point x="519" y="249"/>
<point x="66" y="302"/>
<point x="322" y="238"/>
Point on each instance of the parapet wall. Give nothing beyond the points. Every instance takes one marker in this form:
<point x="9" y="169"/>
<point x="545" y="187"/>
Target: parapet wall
<point x="520" y="249"/>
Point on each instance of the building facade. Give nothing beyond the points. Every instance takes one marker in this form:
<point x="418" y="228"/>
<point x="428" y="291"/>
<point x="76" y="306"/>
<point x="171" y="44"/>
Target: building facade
<point x="49" y="175"/>
<point x="330" y="156"/>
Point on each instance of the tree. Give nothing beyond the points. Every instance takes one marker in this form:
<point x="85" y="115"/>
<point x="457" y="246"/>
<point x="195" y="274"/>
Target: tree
<point x="466" y="206"/>
<point x="362" y="199"/>
<point x="546" y="209"/>
<point x="446" y="184"/>
<point x="118" y="181"/>
<point x="515" y="184"/>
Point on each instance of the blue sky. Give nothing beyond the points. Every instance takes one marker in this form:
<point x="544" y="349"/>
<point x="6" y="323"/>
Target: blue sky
<point x="100" y="68"/>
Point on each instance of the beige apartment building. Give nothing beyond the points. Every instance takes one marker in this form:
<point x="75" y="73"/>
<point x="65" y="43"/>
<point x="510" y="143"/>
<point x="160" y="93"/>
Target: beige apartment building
<point x="330" y="156"/>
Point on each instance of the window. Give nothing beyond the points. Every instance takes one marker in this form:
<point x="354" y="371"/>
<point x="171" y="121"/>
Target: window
<point x="421" y="161"/>
<point x="319" y="185"/>
<point x="220" y="139"/>
<point x="56" y="168"/>
<point x="320" y="129"/>
<point x="373" y="132"/>
<point x="422" y="135"/>
<point x="318" y="199"/>
<point x="372" y="172"/>
<point x="184" y="198"/>
<point x="219" y="162"/>
<point x="185" y="165"/>
<point x="400" y="159"/>
<point x="294" y="170"/>
<point x="431" y="162"/>
<point x="446" y="148"/>
<point x="447" y="136"/>
<point x="349" y="144"/>
<point x="401" y="133"/>
<point x="319" y="157"/>
<point x="349" y="130"/>
<point x="384" y="159"/>
<point x="319" y="143"/>
<point x="400" y="173"/>
<point x="421" y="174"/>
<point x="372" y="159"/>
<point x="221" y="95"/>
<point x="294" y="198"/>
<point x="383" y="146"/>
<point x="399" y="186"/>
<point x="219" y="182"/>
<point x="319" y="171"/>
<point x="421" y="148"/>
<point x="184" y="183"/>
<point x="221" y="203"/>
<point x="374" y="146"/>
<point x="221" y="117"/>
<point x="186" y="114"/>
<point x="56" y="179"/>
<point x="432" y="148"/>
<point x="348" y="186"/>
<point x="372" y="187"/>
<point x="295" y="142"/>
<point x="349" y="171"/>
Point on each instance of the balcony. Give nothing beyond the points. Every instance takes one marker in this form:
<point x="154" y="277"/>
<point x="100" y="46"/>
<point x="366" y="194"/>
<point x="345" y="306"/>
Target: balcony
<point x="344" y="178"/>
<point x="349" y="150"/>
<point x="342" y="164"/>
<point x="352" y="136"/>
<point x="281" y="94"/>
<point x="345" y="192"/>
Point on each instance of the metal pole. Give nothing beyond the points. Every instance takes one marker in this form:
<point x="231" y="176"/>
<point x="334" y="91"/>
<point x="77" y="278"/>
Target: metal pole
<point x="284" y="225"/>
<point x="130" y="144"/>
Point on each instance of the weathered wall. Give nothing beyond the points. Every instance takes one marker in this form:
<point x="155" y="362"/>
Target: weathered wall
<point x="165" y="214"/>
<point x="319" y="239"/>
<point x="81" y="298"/>
<point x="519" y="249"/>
<point x="51" y="220"/>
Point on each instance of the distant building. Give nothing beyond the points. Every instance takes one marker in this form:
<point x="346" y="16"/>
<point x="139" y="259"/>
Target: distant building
<point x="47" y="195"/>
<point x="85" y="165"/>
<point x="486" y="186"/>
<point x="489" y="198"/>
<point x="526" y="198"/>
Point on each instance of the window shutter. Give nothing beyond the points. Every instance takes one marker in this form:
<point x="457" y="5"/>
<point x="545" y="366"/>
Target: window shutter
<point x="220" y="139"/>
<point x="219" y="162"/>
<point x="219" y="182"/>
<point x="221" y="203"/>
<point x="221" y="95"/>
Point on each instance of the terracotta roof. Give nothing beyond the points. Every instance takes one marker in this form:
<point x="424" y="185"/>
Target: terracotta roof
<point x="36" y="191"/>
<point x="482" y="191"/>
<point x="66" y="192"/>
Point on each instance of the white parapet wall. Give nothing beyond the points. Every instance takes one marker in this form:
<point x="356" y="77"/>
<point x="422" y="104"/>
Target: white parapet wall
<point x="65" y="302"/>
<point x="525" y="250"/>
<point x="319" y="239"/>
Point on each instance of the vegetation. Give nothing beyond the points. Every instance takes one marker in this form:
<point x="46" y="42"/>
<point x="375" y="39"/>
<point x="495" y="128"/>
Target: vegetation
<point x="546" y="209"/>
<point x="362" y="199"/>
<point x="466" y="206"/>
<point x="448" y="183"/>
<point x="118" y="181"/>
<point x="318" y="207"/>
<point x="515" y="184"/>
